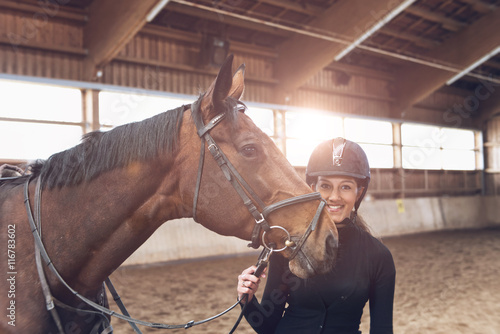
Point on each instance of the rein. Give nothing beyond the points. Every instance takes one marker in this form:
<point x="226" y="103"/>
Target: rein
<point x="39" y="246"/>
<point x="246" y="193"/>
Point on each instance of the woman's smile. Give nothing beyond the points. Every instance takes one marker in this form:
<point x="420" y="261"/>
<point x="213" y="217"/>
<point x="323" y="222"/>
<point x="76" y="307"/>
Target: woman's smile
<point x="340" y="193"/>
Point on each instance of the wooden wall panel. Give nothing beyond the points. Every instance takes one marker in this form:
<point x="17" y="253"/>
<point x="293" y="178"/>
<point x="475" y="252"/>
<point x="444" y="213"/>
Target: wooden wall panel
<point x="357" y="95"/>
<point x="39" y="63"/>
<point x="39" y="29"/>
<point x="342" y="103"/>
<point x="47" y="45"/>
<point x="442" y="100"/>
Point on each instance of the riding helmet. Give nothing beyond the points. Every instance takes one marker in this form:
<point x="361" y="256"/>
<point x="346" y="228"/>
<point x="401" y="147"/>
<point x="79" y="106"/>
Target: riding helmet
<point x="339" y="156"/>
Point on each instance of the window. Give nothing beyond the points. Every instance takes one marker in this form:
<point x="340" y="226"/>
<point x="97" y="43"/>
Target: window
<point x="121" y="108"/>
<point x="432" y="147"/>
<point x="305" y="131"/>
<point x="40" y="102"/>
<point x="375" y="137"/>
<point x="263" y="118"/>
<point x="30" y="141"/>
<point x="458" y="149"/>
<point x="38" y="120"/>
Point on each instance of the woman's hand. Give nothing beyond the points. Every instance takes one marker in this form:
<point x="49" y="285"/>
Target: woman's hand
<point x="248" y="283"/>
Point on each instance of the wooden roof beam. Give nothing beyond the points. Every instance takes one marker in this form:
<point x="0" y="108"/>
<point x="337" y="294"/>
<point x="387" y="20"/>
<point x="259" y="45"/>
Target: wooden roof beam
<point x="447" y="23"/>
<point x="112" y="24"/>
<point x="418" y="40"/>
<point x="480" y="6"/>
<point x="301" y="57"/>
<point x="303" y="7"/>
<point x="415" y="82"/>
<point x="205" y="13"/>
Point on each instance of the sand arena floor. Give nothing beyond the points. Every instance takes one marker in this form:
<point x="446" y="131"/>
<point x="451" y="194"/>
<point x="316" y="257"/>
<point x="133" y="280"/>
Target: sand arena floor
<point x="447" y="282"/>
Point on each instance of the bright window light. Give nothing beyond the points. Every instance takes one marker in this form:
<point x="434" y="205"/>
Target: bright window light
<point x="299" y="150"/>
<point x="35" y="102"/>
<point x="432" y="147"/>
<point x="30" y="141"/>
<point x="40" y="102"/>
<point x="308" y="125"/>
<point x="305" y="131"/>
<point x="459" y="159"/>
<point x="368" y="131"/>
<point x="379" y="156"/>
<point x="458" y="139"/>
<point x="121" y="108"/>
<point x="375" y="137"/>
<point x="421" y="158"/>
<point x="263" y="118"/>
<point x="421" y="135"/>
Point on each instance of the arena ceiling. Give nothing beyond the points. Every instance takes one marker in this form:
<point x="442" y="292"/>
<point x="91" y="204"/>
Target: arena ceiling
<point x="427" y="45"/>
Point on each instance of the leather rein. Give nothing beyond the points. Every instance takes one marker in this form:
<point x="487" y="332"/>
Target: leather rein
<point x="242" y="188"/>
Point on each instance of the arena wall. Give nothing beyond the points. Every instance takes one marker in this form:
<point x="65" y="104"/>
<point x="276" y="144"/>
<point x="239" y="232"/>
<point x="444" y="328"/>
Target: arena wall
<point x="184" y="239"/>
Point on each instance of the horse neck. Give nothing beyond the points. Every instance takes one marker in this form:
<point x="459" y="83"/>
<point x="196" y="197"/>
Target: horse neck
<point x="92" y="228"/>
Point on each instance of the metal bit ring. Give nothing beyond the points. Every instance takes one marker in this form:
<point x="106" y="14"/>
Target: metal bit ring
<point x="270" y="248"/>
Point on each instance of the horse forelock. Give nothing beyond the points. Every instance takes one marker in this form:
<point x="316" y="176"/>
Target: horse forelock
<point x="103" y="151"/>
<point x="231" y="108"/>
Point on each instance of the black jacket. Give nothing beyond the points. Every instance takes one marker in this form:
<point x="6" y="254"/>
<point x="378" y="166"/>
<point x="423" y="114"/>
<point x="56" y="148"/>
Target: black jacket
<point x="334" y="302"/>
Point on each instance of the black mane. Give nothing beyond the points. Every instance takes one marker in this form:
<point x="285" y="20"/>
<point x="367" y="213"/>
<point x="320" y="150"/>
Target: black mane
<point x="103" y="151"/>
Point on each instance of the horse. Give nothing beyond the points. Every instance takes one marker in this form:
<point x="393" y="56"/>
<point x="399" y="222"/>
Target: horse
<point x="103" y="198"/>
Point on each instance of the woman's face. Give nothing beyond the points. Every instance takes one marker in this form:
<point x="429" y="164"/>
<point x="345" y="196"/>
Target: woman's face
<point x="340" y="193"/>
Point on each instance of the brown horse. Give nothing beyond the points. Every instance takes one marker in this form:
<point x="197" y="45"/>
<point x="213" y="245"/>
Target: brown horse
<point x="104" y="197"/>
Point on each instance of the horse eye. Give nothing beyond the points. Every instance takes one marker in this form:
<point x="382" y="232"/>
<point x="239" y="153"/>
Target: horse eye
<point x="249" y="151"/>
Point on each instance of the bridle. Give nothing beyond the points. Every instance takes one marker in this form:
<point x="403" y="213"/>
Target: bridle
<point x="249" y="197"/>
<point x="242" y="188"/>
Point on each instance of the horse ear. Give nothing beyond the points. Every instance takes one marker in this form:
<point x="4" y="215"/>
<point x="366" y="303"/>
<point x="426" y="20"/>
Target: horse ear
<point x="238" y="86"/>
<point x="223" y="83"/>
<point x="224" y="86"/>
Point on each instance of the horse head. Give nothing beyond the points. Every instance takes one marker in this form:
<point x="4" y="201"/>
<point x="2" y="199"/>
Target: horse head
<point x="268" y="176"/>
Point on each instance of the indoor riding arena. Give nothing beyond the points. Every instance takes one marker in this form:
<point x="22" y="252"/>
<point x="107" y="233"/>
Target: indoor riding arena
<point x="112" y="112"/>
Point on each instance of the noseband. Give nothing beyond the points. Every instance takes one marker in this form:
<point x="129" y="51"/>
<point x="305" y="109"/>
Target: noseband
<point x="242" y="188"/>
<point x="246" y="193"/>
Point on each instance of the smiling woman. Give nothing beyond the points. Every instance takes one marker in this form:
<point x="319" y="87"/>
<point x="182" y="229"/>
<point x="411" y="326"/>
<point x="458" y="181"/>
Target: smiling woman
<point x="332" y="302"/>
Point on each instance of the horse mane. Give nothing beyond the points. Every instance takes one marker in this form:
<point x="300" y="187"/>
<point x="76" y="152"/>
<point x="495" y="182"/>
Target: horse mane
<point x="103" y="151"/>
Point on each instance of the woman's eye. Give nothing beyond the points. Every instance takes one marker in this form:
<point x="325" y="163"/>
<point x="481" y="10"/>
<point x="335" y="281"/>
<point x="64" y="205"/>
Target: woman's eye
<point x="249" y="151"/>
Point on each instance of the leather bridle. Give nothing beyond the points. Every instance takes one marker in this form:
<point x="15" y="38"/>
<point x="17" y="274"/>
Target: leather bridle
<point x="246" y="193"/>
<point x="249" y="197"/>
